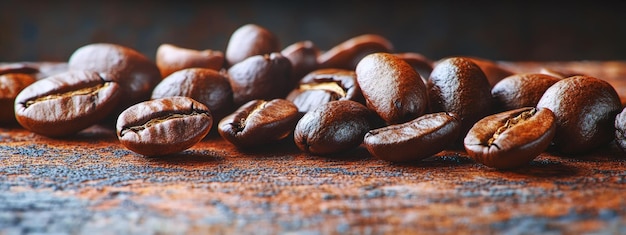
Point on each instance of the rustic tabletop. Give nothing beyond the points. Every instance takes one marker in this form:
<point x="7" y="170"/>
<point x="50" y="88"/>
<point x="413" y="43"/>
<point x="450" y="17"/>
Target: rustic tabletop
<point x="90" y="184"/>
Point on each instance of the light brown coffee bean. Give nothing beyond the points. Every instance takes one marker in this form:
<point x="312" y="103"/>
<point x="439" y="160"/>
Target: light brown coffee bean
<point x="521" y="90"/>
<point x="249" y="40"/>
<point x="171" y="58"/>
<point x="11" y="84"/>
<point x="347" y="54"/>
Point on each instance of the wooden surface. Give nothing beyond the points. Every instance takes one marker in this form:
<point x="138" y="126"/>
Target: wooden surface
<point x="90" y="184"/>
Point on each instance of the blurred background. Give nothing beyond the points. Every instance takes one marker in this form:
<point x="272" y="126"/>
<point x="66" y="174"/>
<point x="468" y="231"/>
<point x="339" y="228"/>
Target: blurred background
<point x="41" y="30"/>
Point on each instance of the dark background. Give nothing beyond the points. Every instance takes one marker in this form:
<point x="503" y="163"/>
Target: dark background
<point x="518" y="31"/>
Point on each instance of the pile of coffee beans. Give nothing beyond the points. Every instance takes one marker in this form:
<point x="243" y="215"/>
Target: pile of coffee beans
<point x="400" y="106"/>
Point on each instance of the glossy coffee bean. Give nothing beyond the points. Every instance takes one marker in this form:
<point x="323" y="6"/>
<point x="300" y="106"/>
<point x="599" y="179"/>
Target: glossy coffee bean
<point x="392" y="88"/>
<point x="11" y="84"/>
<point x="66" y="103"/>
<point x="163" y="126"/>
<point x="457" y="85"/>
<point x="585" y="109"/>
<point x="324" y="85"/>
<point x="422" y="64"/>
<point x="521" y="90"/>
<point x="249" y="40"/>
<point x="206" y="86"/>
<point x="414" y="140"/>
<point x="492" y="70"/>
<point x="135" y="73"/>
<point x="262" y="77"/>
<point x="332" y="128"/>
<point x="511" y="139"/>
<point x="303" y="57"/>
<point x="347" y="54"/>
<point x="259" y="122"/>
<point x="171" y="58"/>
<point x="620" y="130"/>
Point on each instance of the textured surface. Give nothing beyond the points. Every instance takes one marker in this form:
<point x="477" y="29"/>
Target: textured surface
<point x="90" y="184"/>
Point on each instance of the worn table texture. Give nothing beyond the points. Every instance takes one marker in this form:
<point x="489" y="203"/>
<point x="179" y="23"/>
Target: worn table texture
<point x="90" y="184"/>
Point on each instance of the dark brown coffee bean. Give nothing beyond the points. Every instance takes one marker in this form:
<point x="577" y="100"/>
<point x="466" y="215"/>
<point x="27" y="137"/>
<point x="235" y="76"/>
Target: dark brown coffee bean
<point x="303" y="57"/>
<point x="419" y="62"/>
<point x="457" y="85"/>
<point x="414" y="140"/>
<point x="171" y="58"/>
<point x="620" y="130"/>
<point x="206" y="86"/>
<point x="11" y="85"/>
<point x="134" y="72"/>
<point x="492" y="70"/>
<point x="392" y="88"/>
<point x="333" y="127"/>
<point x="585" y="109"/>
<point x="259" y="122"/>
<point x="347" y="54"/>
<point x="262" y="77"/>
<point x="66" y="103"/>
<point x="249" y="40"/>
<point x="511" y="139"/>
<point x="163" y="126"/>
<point x="521" y="90"/>
<point x="324" y="85"/>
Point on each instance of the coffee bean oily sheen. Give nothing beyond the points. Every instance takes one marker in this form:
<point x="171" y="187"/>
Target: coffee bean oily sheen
<point x="66" y="103"/>
<point x="171" y="58"/>
<point x="333" y="127"/>
<point x="521" y="90"/>
<point x="457" y="85"/>
<point x="620" y="130"/>
<point x="347" y="54"/>
<point x="262" y="77"/>
<point x="303" y="57"/>
<point x="250" y="40"/>
<point x="391" y="87"/>
<point x="325" y="85"/>
<point x="207" y="86"/>
<point x="11" y="84"/>
<point x="259" y="122"/>
<point x="585" y="108"/>
<point x="511" y="139"/>
<point x="163" y="126"/>
<point x="414" y="140"/>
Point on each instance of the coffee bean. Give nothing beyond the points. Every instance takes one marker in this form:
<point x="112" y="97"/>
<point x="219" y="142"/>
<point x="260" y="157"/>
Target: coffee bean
<point x="259" y="122"/>
<point x="325" y="85"/>
<point x="333" y="127"/>
<point x="163" y="126"/>
<point x="18" y="68"/>
<point x="585" y="109"/>
<point x="135" y="73"/>
<point x="620" y="130"/>
<point x="521" y="90"/>
<point x="511" y="139"/>
<point x="249" y="40"/>
<point x="263" y="77"/>
<point x="414" y="140"/>
<point x="66" y="103"/>
<point x="422" y="64"/>
<point x="11" y="84"/>
<point x="457" y="85"/>
<point x="303" y="57"/>
<point x="206" y="86"/>
<point x="347" y="54"/>
<point x="171" y="58"/>
<point x="392" y="88"/>
<point x="492" y="70"/>
<point x="558" y="73"/>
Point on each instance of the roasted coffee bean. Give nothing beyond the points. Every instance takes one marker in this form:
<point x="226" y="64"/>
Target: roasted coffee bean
<point x="492" y="70"/>
<point x="347" y="54"/>
<point x="163" y="126"/>
<point x="66" y="103"/>
<point x="333" y="127"/>
<point x="558" y="73"/>
<point x="249" y="40"/>
<point x="11" y="84"/>
<point x="135" y="73"/>
<point x="303" y="57"/>
<point x="511" y="139"/>
<point x="262" y="77"/>
<point x="414" y="140"/>
<point x="206" y="86"/>
<point x="620" y="130"/>
<point x="171" y="58"/>
<point x="457" y="85"/>
<point x="259" y="122"/>
<point x="521" y="90"/>
<point x="324" y="85"/>
<point x="419" y="62"/>
<point x="392" y="88"/>
<point x="585" y="108"/>
<point x="19" y="68"/>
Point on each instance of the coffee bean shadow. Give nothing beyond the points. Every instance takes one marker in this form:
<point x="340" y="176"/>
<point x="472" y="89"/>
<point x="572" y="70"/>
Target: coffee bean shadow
<point x="91" y="134"/>
<point x="356" y="154"/>
<point x="545" y="168"/>
<point x="440" y="160"/>
<point x="282" y="147"/>
<point x="187" y="157"/>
